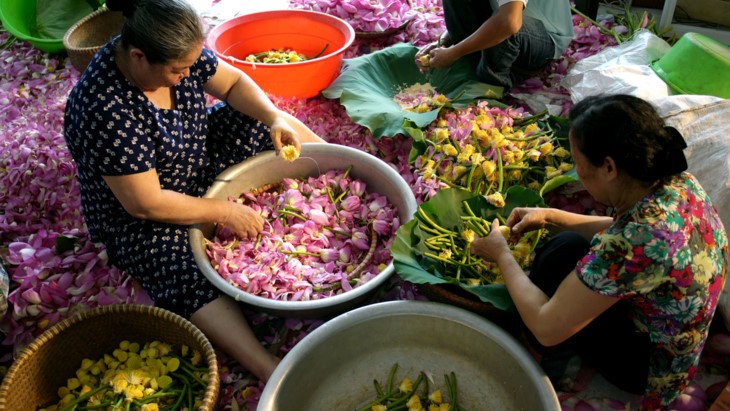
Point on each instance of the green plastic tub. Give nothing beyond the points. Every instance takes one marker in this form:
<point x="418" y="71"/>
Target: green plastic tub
<point x="696" y="64"/>
<point x="17" y="15"/>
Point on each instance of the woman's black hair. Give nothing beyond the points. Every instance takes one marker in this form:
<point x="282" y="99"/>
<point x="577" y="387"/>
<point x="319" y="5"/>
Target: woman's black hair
<point x="165" y="30"/>
<point x="631" y="132"/>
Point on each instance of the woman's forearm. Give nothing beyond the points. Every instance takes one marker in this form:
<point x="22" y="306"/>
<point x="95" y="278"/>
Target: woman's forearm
<point x="585" y="225"/>
<point x="176" y="208"/>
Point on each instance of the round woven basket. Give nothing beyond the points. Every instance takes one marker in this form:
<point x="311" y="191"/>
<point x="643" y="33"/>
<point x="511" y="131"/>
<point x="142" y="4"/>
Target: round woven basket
<point x="89" y="34"/>
<point x="45" y="365"/>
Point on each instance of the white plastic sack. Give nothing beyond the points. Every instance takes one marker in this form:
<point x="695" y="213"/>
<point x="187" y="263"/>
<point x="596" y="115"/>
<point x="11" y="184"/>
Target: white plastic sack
<point x="702" y="120"/>
<point x="623" y="69"/>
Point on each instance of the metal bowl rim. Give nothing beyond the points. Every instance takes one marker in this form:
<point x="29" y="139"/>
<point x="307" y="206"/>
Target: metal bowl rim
<point x="381" y="310"/>
<point x="310" y="305"/>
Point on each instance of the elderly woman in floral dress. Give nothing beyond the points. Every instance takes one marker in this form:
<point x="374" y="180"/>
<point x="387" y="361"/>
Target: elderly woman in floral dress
<point x="147" y="148"/>
<point x="633" y="293"/>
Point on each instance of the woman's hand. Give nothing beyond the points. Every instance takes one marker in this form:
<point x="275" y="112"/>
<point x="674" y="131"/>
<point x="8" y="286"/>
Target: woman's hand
<point x="288" y="130"/>
<point x="525" y="219"/>
<point x="492" y="246"/>
<point x="243" y="220"/>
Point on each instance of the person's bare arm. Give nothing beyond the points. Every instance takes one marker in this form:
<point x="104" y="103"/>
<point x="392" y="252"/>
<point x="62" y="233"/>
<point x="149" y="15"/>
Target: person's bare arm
<point x="142" y="197"/>
<point x="243" y="94"/>
<point x="499" y="27"/>
<point x="524" y="219"/>
<point x="551" y="320"/>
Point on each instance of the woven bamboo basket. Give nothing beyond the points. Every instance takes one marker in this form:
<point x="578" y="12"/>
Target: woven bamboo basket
<point x="89" y="34"/>
<point x="45" y="365"/>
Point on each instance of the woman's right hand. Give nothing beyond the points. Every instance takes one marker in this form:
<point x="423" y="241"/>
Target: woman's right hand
<point x="524" y="219"/>
<point x="243" y="220"/>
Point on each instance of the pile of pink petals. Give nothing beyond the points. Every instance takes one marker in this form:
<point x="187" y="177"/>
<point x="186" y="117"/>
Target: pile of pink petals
<point x="369" y="16"/>
<point x="317" y="232"/>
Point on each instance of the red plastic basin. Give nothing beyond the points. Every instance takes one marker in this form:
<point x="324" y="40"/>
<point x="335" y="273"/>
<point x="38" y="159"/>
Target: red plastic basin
<point x="306" y="32"/>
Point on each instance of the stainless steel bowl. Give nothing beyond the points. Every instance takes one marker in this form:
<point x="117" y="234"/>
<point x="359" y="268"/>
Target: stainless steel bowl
<point x="315" y="159"/>
<point x="333" y="368"/>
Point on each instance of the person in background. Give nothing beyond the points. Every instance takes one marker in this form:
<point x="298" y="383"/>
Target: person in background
<point x="506" y="39"/>
<point x="633" y="293"/>
<point x="147" y="148"/>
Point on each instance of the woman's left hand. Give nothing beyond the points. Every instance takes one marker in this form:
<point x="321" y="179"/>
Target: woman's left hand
<point x="491" y="246"/>
<point x="288" y="130"/>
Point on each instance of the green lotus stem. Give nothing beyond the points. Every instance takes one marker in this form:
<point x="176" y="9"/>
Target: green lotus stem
<point x="183" y="391"/>
<point x="297" y="253"/>
<point x="436" y="241"/>
<point x="451" y="384"/>
<point x="321" y="51"/>
<point x="529" y="119"/>
<point x="461" y="263"/>
<point x="330" y="194"/>
<point x="190" y="399"/>
<point x="428" y="219"/>
<point x="378" y="388"/>
<point x="258" y="241"/>
<point x="101" y="405"/>
<point x="81" y="398"/>
<point x="600" y="27"/>
<point x="468" y="209"/>
<point x="391" y="375"/>
<point x="377" y="401"/>
<point x="449" y="183"/>
<point x="476" y="226"/>
<point x="159" y="394"/>
<point x="195" y="377"/>
<point x="293" y="209"/>
<point x="530" y="137"/>
<point x="471" y="175"/>
<point x="402" y="400"/>
<point x="437" y="258"/>
<point x="333" y="286"/>
<point x="429" y="229"/>
<point x="435" y="247"/>
<point x="501" y="170"/>
<point x="482" y="223"/>
<point x="512" y="167"/>
<point x="439" y="236"/>
<point x="291" y="214"/>
<point x="347" y="172"/>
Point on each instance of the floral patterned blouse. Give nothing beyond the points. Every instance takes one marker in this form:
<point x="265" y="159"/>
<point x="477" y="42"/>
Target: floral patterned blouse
<point x="667" y="257"/>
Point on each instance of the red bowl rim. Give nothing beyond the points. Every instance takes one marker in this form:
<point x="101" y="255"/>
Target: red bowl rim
<point x="216" y="31"/>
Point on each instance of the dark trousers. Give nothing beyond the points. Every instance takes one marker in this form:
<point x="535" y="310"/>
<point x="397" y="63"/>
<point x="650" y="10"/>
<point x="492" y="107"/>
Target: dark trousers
<point x="610" y="344"/>
<point x="531" y="48"/>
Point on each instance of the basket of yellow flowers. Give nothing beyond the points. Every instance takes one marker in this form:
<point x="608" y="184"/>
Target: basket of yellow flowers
<point x="131" y="357"/>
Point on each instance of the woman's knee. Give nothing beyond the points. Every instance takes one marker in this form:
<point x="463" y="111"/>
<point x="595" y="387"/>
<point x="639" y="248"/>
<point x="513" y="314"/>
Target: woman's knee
<point x="556" y="259"/>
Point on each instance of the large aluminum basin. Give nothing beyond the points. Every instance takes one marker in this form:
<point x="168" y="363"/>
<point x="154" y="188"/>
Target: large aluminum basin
<point x="315" y="159"/>
<point x="333" y="368"/>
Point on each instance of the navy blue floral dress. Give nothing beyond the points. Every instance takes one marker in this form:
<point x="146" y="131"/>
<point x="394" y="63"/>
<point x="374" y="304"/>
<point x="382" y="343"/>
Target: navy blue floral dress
<point x="112" y="129"/>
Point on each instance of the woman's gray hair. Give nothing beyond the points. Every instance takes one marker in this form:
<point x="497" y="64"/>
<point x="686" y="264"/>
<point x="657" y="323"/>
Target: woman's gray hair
<point x="165" y="30"/>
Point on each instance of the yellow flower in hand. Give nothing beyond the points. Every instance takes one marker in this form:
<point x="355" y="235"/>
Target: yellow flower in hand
<point x="289" y="153"/>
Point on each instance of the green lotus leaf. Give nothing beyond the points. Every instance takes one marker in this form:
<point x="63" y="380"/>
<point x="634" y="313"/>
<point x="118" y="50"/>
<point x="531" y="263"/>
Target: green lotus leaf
<point x="446" y="209"/>
<point x="367" y="85"/>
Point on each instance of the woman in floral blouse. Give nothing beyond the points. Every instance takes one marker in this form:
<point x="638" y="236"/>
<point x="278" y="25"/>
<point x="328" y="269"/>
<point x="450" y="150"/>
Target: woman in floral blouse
<point x="632" y="293"/>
